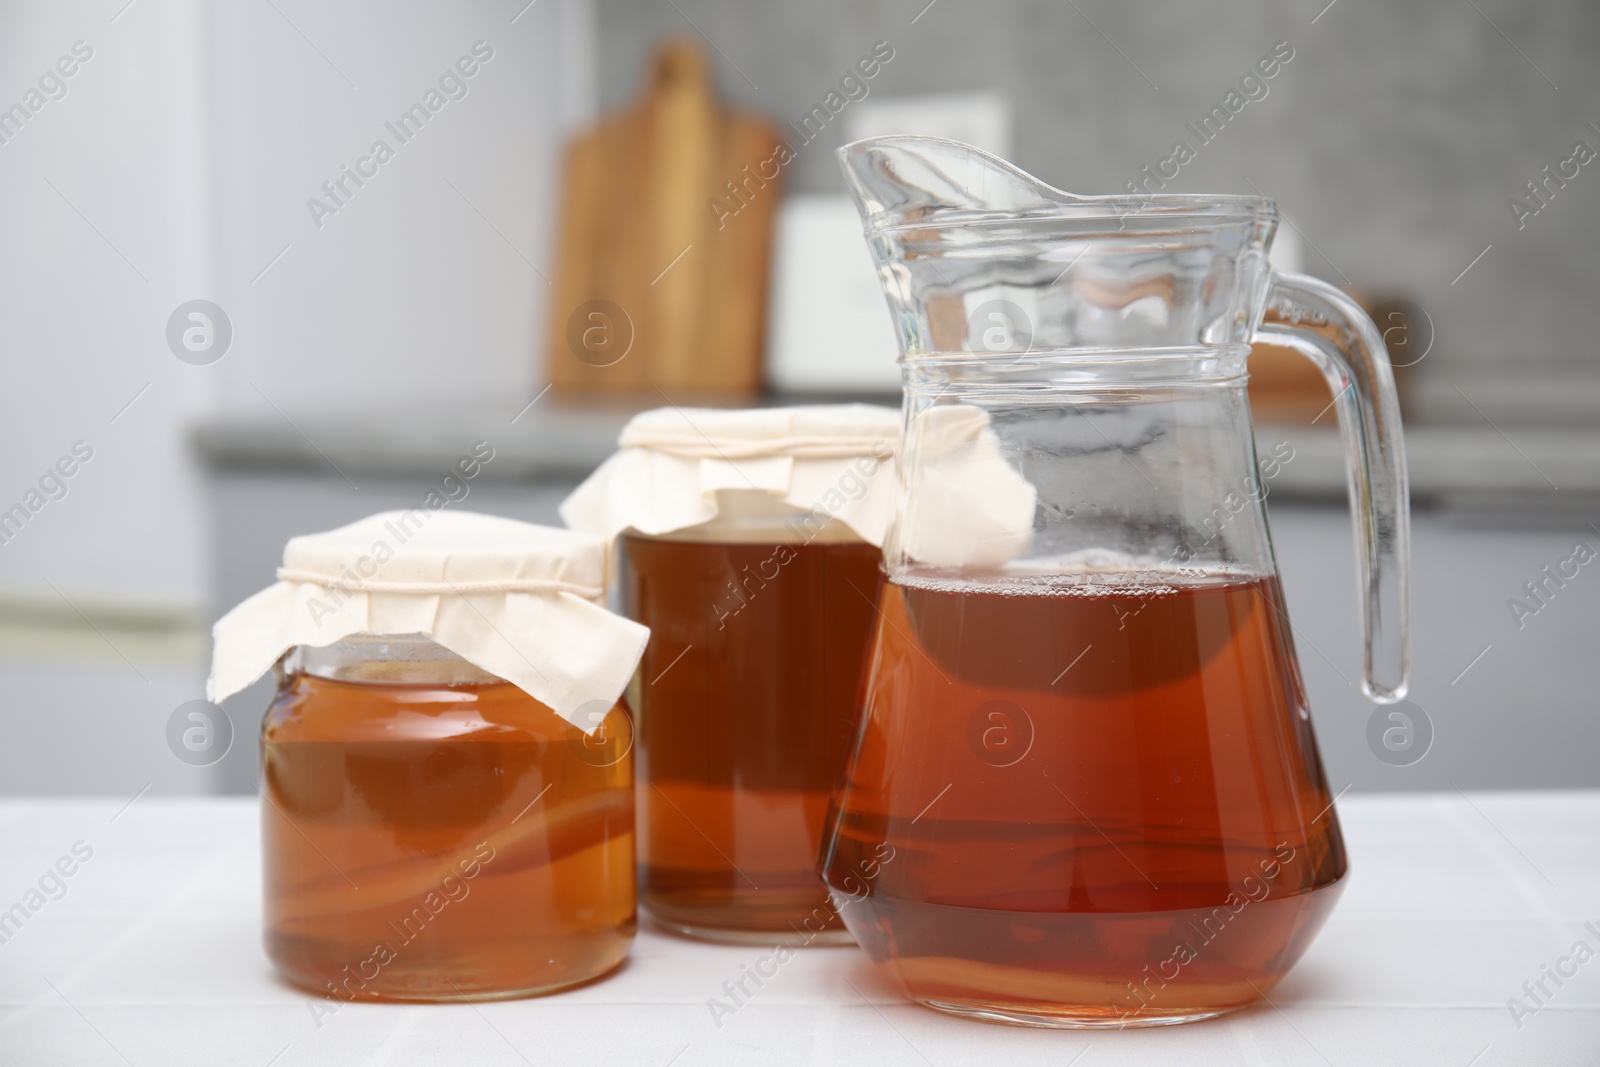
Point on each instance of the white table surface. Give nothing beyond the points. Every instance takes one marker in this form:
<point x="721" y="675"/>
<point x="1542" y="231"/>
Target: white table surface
<point x="153" y="957"/>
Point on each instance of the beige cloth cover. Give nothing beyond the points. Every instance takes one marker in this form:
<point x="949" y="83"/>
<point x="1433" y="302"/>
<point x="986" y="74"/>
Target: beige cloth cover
<point x="675" y="468"/>
<point x="520" y="601"/>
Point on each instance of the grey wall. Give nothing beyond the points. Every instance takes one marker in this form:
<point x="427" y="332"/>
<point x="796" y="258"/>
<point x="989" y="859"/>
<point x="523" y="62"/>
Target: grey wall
<point x="1392" y="140"/>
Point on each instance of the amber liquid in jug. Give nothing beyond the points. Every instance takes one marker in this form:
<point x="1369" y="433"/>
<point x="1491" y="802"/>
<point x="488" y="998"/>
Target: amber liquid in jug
<point x="1114" y="785"/>
<point x="441" y="842"/>
<point x="748" y="701"/>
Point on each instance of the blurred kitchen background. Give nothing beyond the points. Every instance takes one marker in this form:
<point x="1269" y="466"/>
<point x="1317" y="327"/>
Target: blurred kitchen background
<point x="428" y="305"/>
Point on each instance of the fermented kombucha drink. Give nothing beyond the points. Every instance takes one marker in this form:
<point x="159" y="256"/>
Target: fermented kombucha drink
<point x="1100" y="793"/>
<point x="431" y="832"/>
<point x="1086" y="790"/>
<point x="748" y="699"/>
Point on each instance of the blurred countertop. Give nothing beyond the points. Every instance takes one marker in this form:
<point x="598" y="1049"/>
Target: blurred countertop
<point x="1498" y="446"/>
<point x="551" y="442"/>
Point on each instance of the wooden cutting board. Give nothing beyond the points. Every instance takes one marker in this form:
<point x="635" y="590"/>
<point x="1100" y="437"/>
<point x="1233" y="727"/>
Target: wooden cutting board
<point x="656" y="288"/>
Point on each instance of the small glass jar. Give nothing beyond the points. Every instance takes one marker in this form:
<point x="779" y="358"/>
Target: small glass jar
<point x="748" y="707"/>
<point x="433" y="832"/>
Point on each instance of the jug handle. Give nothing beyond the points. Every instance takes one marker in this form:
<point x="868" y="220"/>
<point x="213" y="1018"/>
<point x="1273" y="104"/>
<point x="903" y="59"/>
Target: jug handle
<point x="1322" y="323"/>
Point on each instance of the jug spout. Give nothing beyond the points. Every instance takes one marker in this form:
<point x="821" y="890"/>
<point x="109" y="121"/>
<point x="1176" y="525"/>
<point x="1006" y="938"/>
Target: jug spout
<point x="977" y="256"/>
<point x="903" y="179"/>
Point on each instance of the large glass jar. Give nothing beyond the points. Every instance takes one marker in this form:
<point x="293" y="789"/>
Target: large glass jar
<point x="432" y="832"/>
<point x="748" y="546"/>
<point x="748" y="702"/>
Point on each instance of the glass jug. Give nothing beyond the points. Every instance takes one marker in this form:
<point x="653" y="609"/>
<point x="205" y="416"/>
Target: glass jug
<point x="1086" y="790"/>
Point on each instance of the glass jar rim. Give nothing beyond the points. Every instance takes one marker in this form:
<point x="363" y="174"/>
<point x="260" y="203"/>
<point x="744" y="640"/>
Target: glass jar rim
<point x="386" y="659"/>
